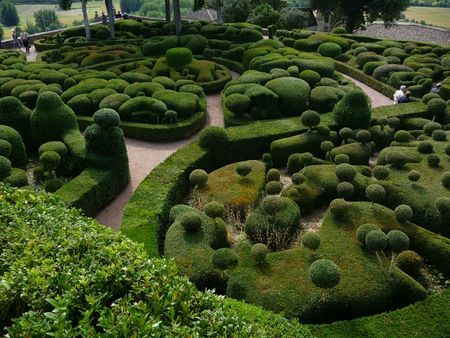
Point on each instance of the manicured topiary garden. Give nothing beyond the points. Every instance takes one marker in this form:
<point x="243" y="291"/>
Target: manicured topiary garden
<point x="328" y="214"/>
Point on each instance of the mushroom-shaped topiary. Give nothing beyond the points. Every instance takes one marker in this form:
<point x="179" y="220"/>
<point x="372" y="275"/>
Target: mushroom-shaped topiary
<point x="445" y="179"/>
<point x="273" y="188"/>
<point x="225" y="258"/>
<point x="50" y="160"/>
<point x="179" y="57"/>
<point x="396" y="159"/>
<point x="341" y="158"/>
<point x="345" y="172"/>
<point x="375" y="193"/>
<point x="437" y="107"/>
<point x="214" y="209"/>
<point x="414" y="176"/>
<point x="339" y="208"/>
<point x="398" y="241"/>
<point x="214" y="140"/>
<point x="380" y="172"/>
<point x="402" y="136"/>
<point x="353" y="110"/>
<point x="363" y="230"/>
<point x="273" y="175"/>
<point x="259" y="252"/>
<point x="191" y="221"/>
<point x="403" y="213"/>
<point x="345" y="190"/>
<point x="5" y="167"/>
<point x="324" y="274"/>
<point x="198" y="178"/>
<point x="376" y="240"/>
<point x="298" y="178"/>
<point x="311" y="240"/>
<point x="430" y="127"/>
<point x="425" y="147"/>
<point x="310" y="119"/>
<point x="346" y="134"/>
<point x="243" y="169"/>
<point x="363" y="136"/>
<point x="5" y="148"/>
<point x="272" y="204"/>
<point x="410" y="262"/>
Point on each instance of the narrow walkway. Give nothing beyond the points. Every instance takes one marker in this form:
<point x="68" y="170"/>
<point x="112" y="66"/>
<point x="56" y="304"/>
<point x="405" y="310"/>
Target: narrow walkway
<point x="31" y="56"/>
<point x="377" y="98"/>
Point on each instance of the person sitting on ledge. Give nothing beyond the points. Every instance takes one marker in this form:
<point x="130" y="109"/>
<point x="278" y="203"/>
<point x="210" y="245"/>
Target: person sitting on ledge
<point x="399" y="94"/>
<point x="405" y="98"/>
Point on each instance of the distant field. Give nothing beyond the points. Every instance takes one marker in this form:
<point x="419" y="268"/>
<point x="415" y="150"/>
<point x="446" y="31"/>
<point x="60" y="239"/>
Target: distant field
<point x="432" y="15"/>
<point x="66" y="17"/>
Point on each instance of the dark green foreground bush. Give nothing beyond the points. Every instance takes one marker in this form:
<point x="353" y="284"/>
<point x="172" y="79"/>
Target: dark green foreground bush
<point x="64" y="275"/>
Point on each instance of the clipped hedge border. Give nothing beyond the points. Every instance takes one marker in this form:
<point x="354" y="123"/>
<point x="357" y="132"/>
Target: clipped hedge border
<point x="155" y="132"/>
<point x="42" y="46"/>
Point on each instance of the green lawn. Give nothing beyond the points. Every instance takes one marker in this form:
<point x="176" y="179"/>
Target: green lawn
<point x="432" y="15"/>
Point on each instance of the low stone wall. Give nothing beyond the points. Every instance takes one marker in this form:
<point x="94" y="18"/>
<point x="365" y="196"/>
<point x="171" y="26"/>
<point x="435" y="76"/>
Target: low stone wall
<point x="407" y="31"/>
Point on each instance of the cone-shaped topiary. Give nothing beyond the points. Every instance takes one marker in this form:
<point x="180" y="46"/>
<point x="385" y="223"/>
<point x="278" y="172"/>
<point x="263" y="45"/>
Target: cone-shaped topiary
<point x="353" y="110"/>
<point x="324" y="273"/>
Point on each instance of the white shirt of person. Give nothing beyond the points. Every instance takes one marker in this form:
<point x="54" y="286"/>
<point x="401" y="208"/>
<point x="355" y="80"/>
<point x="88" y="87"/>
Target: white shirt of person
<point x="399" y="94"/>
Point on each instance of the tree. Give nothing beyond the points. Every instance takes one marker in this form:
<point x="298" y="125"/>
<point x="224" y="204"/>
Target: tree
<point x="198" y="4"/>
<point x="356" y="13"/>
<point x="65" y="5"/>
<point x="219" y="11"/>
<point x="8" y="13"/>
<point x="87" y="29"/>
<point x="167" y="8"/>
<point x="177" y="17"/>
<point x="111" y="17"/>
<point x="46" y="20"/>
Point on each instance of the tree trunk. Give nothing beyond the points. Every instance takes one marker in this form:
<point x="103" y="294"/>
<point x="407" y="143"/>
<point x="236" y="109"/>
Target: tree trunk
<point x="87" y="29"/>
<point x="110" y="11"/>
<point x="177" y="17"/>
<point x="219" y="11"/>
<point x="167" y="10"/>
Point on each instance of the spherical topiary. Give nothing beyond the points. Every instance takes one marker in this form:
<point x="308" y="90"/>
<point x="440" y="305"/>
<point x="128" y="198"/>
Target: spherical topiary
<point x="375" y="193"/>
<point x="324" y="273"/>
<point x="376" y="240"/>
<point x="429" y="127"/>
<point x="345" y="172"/>
<point x="225" y="258"/>
<point x="394" y="122"/>
<point x="56" y="146"/>
<point x="298" y="178"/>
<point x="346" y="133"/>
<point x="5" y="148"/>
<point x="363" y="230"/>
<point x="403" y="213"/>
<point x="329" y="49"/>
<point x="310" y="118"/>
<point x="380" y="172"/>
<point x="259" y="252"/>
<point x="396" y="159"/>
<point x="214" y="209"/>
<point x="266" y="157"/>
<point x="398" y="241"/>
<point x="5" y="167"/>
<point x="443" y="205"/>
<point x="273" y="175"/>
<point x="410" y="262"/>
<point x="414" y="176"/>
<point x="243" y="169"/>
<point x="198" y="178"/>
<point x="106" y="118"/>
<point x="425" y="147"/>
<point x="433" y="160"/>
<point x="272" y="204"/>
<point x="382" y="121"/>
<point x="311" y="240"/>
<point x="213" y="139"/>
<point x="50" y="160"/>
<point x="363" y="136"/>
<point x="402" y="136"/>
<point x="341" y="158"/>
<point x="340" y="30"/>
<point x="237" y="103"/>
<point x="436" y="106"/>
<point x="345" y="190"/>
<point x="53" y="184"/>
<point x="273" y="188"/>
<point x="326" y="146"/>
<point x="310" y="76"/>
<point x="191" y="221"/>
<point x="439" y="135"/>
<point x="445" y="179"/>
<point x="179" y="57"/>
<point x="339" y="208"/>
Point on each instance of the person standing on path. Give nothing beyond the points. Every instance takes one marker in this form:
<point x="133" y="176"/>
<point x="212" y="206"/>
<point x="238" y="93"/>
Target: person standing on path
<point x="399" y="94"/>
<point x="15" y="39"/>
<point x="25" y="41"/>
<point x="104" y="18"/>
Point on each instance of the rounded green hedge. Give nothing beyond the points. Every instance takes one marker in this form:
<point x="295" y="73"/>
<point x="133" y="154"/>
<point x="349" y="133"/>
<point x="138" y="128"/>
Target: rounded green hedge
<point x="324" y="273"/>
<point x="329" y="49"/>
<point x="179" y="57"/>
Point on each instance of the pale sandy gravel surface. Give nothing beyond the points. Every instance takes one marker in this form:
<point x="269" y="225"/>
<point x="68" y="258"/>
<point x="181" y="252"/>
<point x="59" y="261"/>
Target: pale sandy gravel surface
<point x="377" y="98"/>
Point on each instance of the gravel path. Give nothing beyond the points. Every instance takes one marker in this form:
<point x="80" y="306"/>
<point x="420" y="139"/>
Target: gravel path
<point x="31" y="57"/>
<point x="377" y="98"/>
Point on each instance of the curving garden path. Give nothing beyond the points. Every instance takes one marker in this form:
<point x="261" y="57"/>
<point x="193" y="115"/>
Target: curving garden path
<point x="145" y="156"/>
